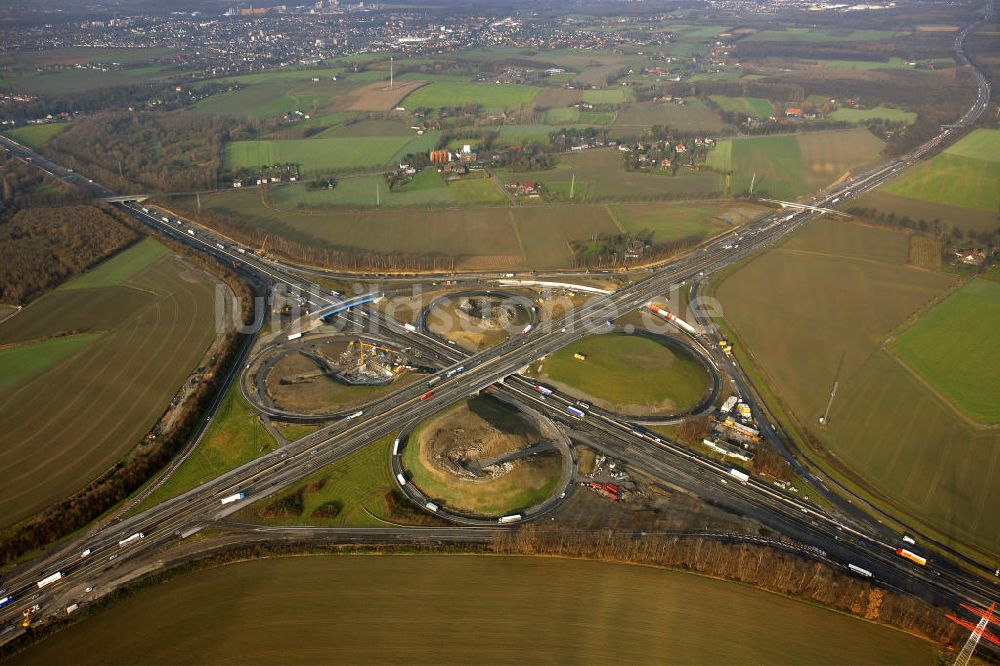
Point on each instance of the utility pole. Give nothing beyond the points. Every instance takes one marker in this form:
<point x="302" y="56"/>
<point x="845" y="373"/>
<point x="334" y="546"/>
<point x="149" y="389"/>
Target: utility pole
<point x="752" y="181"/>
<point x="390" y="72"/>
<point x="572" y="185"/>
<point x="198" y="196"/>
<point x="378" y="195"/>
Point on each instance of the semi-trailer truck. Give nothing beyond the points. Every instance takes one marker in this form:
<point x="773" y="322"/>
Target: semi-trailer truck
<point x="233" y="498"/>
<point x="431" y="506"/>
<point x="294" y="336"/>
<point x="513" y="518"/>
<point x="911" y="556"/>
<point x="544" y="390"/>
<point x="858" y="570"/>
<point x="48" y="580"/>
<point x="401" y="479"/>
<point x="410" y="327"/>
<point x="578" y="413"/>
<point x="742" y="477"/>
<point x="395" y="446"/>
<point x="135" y="537"/>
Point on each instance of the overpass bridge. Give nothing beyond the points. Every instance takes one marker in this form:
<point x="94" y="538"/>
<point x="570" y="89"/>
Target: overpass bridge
<point x="801" y="206"/>
<point x="125" y="198"/>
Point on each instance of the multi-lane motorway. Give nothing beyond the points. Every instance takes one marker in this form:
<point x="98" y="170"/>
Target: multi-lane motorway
<point x="85" y="561"/>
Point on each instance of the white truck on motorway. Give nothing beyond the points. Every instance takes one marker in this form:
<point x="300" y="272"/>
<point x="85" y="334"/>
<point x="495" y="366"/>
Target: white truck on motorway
<point x="191" y="232"/>
<point x="513" y="518"/>
<point x="127" y="540"/>
<point x="742" y="477"/>
<point x="294" y="336"/>
<point x="233" y="498"/>
<point x="48" y="580"/>
<point x="431" y="506"/>
<point x="410" y="327"/>
<point x="401" y="479"/>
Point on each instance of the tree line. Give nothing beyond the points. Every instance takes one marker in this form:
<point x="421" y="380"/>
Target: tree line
<point x="763" y="566"/>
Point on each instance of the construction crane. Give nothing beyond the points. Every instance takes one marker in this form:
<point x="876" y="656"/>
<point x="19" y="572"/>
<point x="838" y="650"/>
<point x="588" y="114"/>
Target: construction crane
<point x="26" y="622"/>
<point x="263" y="247"/>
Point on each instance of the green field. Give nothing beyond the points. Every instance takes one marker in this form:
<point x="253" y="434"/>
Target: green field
<point x="358" y="485"/>
<point x="921" y="209"/>
<point x="377" y="610"/>
<point x="611" y="96"/>
<point x="863" y="65"/>
<point x="280" y="91"/>
<point x="820" y="36"/>
<point x="772" y="165"/>
<point x="35" y="136"/>
<point x="830" y="297"/>
<point x="118" y="269"/>
<point x="692" y="116"/>
<point x="881" y="112"/>
<point x="360" y="191"/>
<point x="675" y="221"/>
<point x="562" y="116"/>
<point x="483" y="191"/>
<point x="630" y="374"/>
<point x="455" y="93"/>
<point x="317" y="155"/>
<point x="981" y="144"/>
<point x="964" y="175"/>
<point x="487" y="237"/>
<point x="954" y="348"/>
<point x="480" y="238"/>
<point x="753" y="106"/>
<point x="154" y="318"/>
<point x="69" y="81"/>
<point x="24" y="361"/>
<point x="600" y="176"/>
<point x="789" y="166"/>
<point x="236" y="436"/>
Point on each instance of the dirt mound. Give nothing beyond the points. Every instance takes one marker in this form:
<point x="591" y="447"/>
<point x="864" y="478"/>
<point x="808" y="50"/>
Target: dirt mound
<point x="467" y="442"/>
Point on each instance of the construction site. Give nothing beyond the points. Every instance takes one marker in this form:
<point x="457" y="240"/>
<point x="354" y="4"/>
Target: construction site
<point x="326" y="374"/>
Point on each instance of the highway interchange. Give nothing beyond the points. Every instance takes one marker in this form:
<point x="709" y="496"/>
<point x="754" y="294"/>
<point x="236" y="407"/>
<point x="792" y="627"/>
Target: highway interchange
<point x="845" y="535"/>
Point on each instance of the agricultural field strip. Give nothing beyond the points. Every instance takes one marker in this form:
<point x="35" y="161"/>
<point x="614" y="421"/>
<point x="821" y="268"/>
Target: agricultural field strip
<point x="74" y="420"/>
